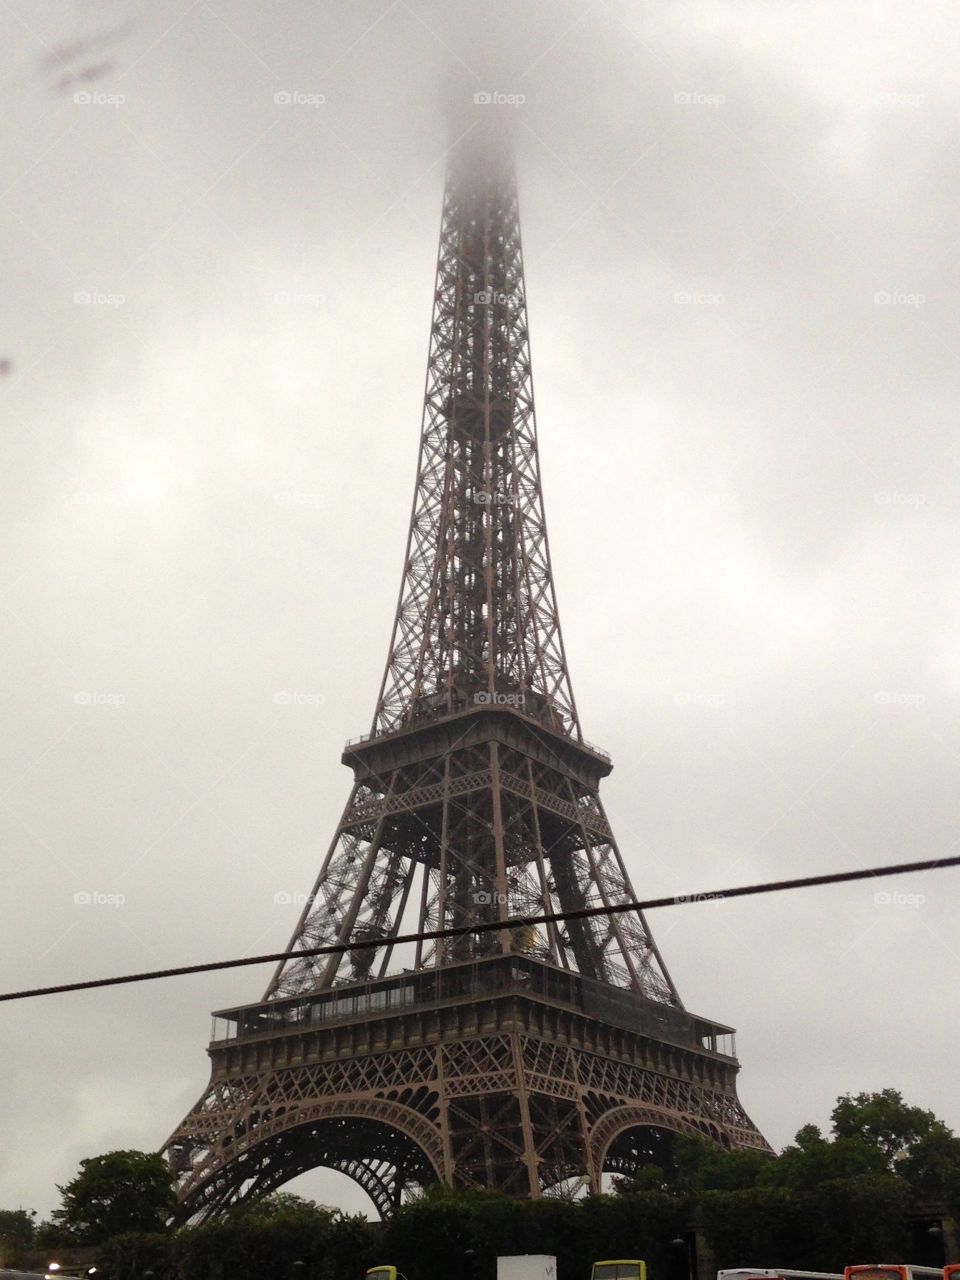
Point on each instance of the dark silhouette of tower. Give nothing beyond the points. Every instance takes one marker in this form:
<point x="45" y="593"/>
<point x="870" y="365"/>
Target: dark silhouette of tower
<point x="514" y="1059"/>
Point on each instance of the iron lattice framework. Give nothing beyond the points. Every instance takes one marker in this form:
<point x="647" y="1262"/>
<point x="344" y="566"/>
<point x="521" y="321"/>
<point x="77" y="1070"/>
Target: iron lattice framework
<point x="477" y="612"/>
<point x="510" y="1059"/>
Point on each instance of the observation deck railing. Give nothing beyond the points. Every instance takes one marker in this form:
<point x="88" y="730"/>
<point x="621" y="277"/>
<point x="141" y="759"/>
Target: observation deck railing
<point x="461" y="983"/>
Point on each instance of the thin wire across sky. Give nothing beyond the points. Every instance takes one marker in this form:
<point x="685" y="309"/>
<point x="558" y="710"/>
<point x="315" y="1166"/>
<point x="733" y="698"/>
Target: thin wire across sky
<point x="651" y="904"/>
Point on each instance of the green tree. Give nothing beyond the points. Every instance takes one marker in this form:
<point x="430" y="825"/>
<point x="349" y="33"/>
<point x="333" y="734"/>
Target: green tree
<point x="17" y="1234"/>
<point x="858" y="1217"/>
<point x="129" y="1257"/>
<point x="757" y="1222"/>
<point x="885" y="1121"/>
<point x="50" y="1235"/>
<point x="703" y="1166"/>
<point x="430" y="1236"/>
<point x="821" y="1228"/>
<point x="285" y="1205"/>
<point x="122" y="1191"/>
<point x="242" y="1246"/>
<point x="918" y="1147"/>
<point x="649" y="1177"/>
<point x="813" y="1160"/>
<point x="932" y="1165"/>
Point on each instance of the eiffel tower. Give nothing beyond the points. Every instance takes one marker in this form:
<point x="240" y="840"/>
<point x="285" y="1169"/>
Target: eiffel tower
<point x="516" y="1060"/>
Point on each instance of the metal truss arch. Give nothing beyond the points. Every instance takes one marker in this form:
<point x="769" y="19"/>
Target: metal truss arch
<point x="384" y="1146"/>
<point x="620" y="1121"/>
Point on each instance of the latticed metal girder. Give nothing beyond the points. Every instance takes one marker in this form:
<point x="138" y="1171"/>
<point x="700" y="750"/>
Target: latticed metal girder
<point x="477" y="611"/>
<point x="509" y="1111"/>
<point x="469" y="821"/>
<point x="477" y="835"/>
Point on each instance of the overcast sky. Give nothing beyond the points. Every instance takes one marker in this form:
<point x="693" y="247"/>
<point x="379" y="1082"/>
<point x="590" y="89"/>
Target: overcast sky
<point x="740" y="230"/>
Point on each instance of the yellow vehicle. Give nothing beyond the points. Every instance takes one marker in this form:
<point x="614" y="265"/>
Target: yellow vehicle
<point x="619" y="1269"/>
<point x="382" y="1273"/>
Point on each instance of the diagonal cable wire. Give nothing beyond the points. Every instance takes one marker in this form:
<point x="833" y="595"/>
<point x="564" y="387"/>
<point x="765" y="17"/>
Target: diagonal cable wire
<point x="685" y="899"/>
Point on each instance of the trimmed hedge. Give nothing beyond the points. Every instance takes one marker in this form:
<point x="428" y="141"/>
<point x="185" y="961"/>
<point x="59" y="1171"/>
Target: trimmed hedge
<point x="837" y="1222"/>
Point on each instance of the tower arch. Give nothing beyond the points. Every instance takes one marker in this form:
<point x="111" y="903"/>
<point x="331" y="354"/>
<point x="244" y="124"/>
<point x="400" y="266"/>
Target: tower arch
<point x="386" y="1148"/>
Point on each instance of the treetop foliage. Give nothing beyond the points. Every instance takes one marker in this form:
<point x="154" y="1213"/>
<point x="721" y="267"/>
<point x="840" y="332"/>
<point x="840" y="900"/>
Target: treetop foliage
<point x="117" y="1192"/>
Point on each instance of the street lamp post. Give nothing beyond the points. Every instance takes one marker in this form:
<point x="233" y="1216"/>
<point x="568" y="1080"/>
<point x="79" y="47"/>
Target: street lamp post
<point x="681" y="1251"/>
<point x="935" y="1234"/>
